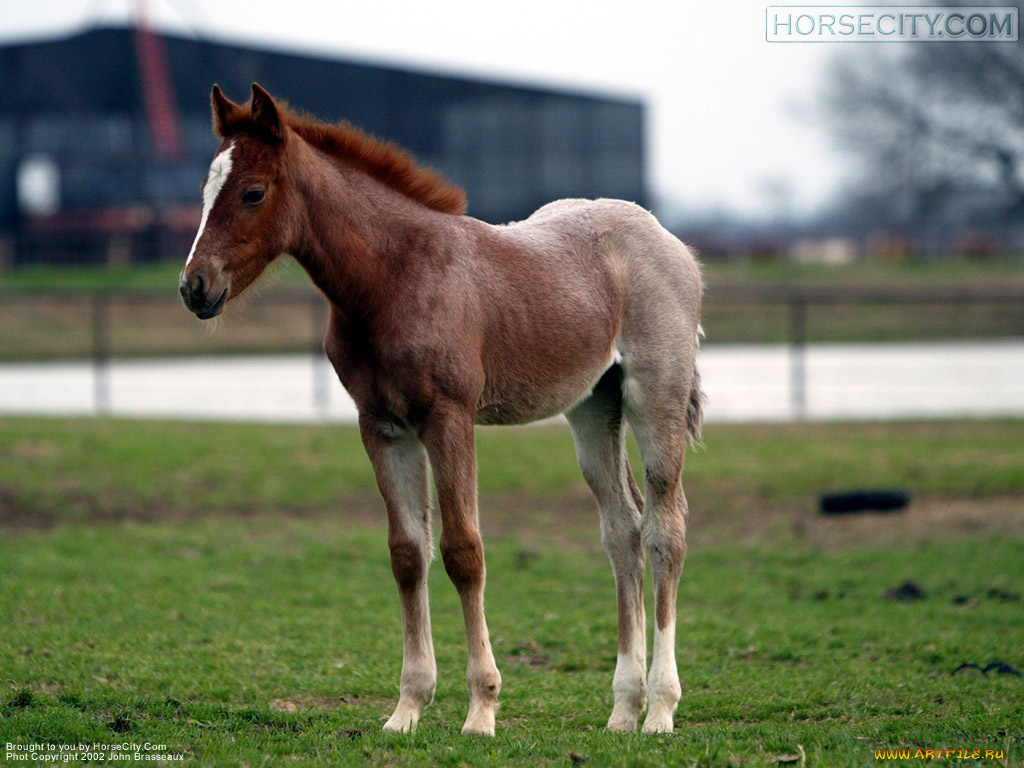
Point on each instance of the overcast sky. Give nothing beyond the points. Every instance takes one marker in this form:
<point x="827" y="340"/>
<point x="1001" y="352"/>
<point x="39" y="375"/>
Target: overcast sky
<point x="729" y="115"/>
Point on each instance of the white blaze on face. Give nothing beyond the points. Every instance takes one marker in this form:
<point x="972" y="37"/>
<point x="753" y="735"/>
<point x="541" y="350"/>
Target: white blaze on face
<point x="215" y="178"/>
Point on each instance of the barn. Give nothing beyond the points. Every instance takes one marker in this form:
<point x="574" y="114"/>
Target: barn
<point x="105" y="137"/>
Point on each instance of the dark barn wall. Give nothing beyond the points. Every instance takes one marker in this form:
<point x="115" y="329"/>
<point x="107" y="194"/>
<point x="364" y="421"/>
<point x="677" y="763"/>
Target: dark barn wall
<point x="80" y="101"/>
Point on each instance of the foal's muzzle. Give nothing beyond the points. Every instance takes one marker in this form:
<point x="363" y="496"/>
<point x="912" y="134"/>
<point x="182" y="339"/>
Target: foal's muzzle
<point x="199" y="299"/>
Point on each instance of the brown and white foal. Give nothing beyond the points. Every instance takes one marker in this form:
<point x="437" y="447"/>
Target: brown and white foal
<point x="439" y="322"/>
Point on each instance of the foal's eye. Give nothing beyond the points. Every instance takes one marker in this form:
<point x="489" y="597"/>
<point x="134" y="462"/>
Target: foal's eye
<point x="254" y="195"/>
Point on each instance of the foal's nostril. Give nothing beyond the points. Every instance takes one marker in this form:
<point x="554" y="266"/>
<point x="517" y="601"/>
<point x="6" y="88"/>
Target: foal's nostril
<point x="193" y="291"/>
<point x="198" y="289"/>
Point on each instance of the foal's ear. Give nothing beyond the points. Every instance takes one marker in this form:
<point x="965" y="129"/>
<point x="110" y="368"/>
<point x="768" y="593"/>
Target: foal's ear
<point x="224" y="111"/>
<point x="265" y="113"/>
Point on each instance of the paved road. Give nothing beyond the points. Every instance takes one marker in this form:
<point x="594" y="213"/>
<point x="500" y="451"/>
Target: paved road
<point x="742" y="383"/>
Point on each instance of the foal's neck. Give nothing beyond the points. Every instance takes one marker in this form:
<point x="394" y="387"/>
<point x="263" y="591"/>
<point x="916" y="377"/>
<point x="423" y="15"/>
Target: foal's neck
<point x="356" y="231"/>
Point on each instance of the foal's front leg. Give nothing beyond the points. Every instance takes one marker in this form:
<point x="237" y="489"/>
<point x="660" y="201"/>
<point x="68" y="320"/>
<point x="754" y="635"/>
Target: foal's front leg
<point x="400" y="464"/>
<point x="450" y="444"/>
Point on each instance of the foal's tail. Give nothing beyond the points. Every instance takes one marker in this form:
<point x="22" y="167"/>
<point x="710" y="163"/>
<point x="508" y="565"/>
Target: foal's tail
<point x="695" y="411"/>
<point x="695" y="405"/>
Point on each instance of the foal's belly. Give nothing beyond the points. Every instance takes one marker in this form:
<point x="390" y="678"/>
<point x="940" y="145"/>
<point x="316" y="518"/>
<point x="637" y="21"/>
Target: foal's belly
<point x="521" y="400"/>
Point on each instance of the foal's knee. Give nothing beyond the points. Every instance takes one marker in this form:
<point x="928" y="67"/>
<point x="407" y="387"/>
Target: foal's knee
<point x="463" y="558"/>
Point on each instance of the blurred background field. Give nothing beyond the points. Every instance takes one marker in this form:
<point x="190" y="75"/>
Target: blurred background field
<point x="75" y="470"/>
<point x="53" y="312"/>
<point x="746" y="480"/>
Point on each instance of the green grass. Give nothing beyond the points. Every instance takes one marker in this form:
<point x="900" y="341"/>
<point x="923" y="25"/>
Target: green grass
<point x="248" y="642"/>
<point x="284" y="313"/>
<point x="68" y="470"/>
<point x="225" y="589"/>
<point x="159" y="278"/>
<point x="954" y="271"/>
<point x="155" y="277"/>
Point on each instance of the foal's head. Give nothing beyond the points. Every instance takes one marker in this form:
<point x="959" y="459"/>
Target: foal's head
<point x="246" y="217"/>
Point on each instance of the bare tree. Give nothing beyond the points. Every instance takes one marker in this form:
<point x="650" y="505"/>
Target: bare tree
<point x="937" y="130"/>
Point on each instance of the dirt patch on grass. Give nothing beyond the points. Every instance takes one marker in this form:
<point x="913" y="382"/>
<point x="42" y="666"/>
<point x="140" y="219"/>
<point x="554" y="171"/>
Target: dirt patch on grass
<point x="574" y="519"/>
<point x="301" y="703"/>
<point x="20" y="514"/>
<point x="571" y="519"/>
<point x="925" y="519"/>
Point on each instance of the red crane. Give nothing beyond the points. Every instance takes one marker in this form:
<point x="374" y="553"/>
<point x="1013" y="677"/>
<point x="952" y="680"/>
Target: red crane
<point x="157" y="88"/>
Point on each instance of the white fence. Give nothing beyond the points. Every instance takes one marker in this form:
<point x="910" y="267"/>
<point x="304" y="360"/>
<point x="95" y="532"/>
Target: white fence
<point x="742" y="383"/>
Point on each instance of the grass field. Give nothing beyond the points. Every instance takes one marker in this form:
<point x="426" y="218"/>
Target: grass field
<point x="61" y="323"/>
<point x="224" y="590"/>
<point x="954" y="271"/>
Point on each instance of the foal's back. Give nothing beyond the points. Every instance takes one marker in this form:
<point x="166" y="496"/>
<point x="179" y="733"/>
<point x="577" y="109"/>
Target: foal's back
<point x="616" y="239"/>
<point x="570" y="291"/>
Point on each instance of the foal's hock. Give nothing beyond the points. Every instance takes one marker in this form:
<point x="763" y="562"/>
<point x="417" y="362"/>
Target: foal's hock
<point x="439" y="322"/>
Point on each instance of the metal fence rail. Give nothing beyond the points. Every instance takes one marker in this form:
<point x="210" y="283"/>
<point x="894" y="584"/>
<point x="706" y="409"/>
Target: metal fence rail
<point x="798" y="301"/>
<point x="113" y="325"/>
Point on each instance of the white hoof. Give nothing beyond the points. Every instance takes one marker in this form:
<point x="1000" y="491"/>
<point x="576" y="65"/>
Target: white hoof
<point x="658" y="723"/>
<point x="404" y="719"/>
<point x="480" y="722"/>
<point x="623" y="720"/>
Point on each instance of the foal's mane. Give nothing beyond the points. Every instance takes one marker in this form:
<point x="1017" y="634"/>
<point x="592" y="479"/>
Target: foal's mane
<point x="383" y="160"/>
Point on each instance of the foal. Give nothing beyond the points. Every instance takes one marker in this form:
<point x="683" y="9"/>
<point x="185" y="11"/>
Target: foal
<point x="439" y="322"/>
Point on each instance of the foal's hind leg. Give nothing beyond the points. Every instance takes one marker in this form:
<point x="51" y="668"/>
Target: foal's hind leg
<point x="656" y="406"/>
<point x="600" y="445"/>
<point x="400" y="464"/>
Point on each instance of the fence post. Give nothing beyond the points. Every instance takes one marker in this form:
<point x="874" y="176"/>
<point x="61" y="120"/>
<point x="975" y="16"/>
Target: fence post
<point x="101" y="352"/>
<point x="798" y="356"/>
<point x="321" y="380"/>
